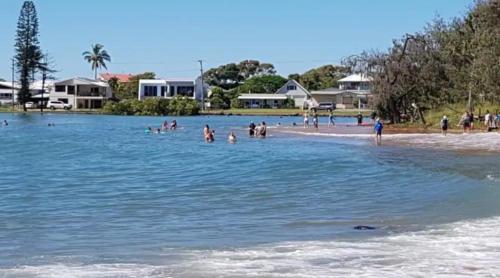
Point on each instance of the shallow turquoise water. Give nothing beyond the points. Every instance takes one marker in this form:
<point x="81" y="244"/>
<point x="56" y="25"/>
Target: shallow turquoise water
<point x="97" y="189"/>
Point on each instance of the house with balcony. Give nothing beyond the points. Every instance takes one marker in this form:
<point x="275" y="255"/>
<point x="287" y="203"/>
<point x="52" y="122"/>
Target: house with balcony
<point x="353" y="91"/>
<point x="82" y="93"/>
<point x="170" y="88"/>
<point x="8" y="92"/>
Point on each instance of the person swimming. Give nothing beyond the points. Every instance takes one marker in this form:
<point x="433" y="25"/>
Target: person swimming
<point x="231" y="138"/>
<point x="174" y="125"/>
<point x="208" y="134"/>
<point x="5" y="123"/>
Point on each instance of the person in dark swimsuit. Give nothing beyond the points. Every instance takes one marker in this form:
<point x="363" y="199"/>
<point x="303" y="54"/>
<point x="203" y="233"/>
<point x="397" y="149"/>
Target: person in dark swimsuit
<point x="173" y="126"/>
<point x="263" y="130"/>
<point x="251" y="129"/>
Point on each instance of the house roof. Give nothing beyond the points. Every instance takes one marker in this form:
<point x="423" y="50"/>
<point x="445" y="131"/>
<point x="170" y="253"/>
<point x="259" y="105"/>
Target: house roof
<point x="263" y="96"/>
<point x="122" y="77"/>
<point x="356" y="78"/>
<point x="296" y="83"/>
<point x="82" y="81"/>
<point x="8" y="84"/>
<point x="166" y="80"/>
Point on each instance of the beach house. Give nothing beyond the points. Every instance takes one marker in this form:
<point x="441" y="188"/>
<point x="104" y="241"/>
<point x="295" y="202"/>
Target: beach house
<point x="171" y="87"/>
<point x="7" y="88"/>
<point x="290" y="90"/>
<point x="82" y="93"/>
<point x="353" y="91"/>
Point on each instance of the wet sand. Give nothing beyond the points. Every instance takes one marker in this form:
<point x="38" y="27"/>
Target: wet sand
<point x="476" y="142"/>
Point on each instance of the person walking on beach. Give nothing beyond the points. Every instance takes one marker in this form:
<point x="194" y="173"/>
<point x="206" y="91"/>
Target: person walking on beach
<point x="331" y="119"/>
<point x="465" y="122"/>
<point x="315" y="120"/>
<point x="251" y="129"/>
<point x="360" y="119"/>
<point x="379" y="126"/>
<point x="444" y="125"/>
<point x="306" y="120"/>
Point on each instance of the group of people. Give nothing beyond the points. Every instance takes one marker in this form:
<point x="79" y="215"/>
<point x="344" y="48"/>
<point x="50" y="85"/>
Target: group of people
<point x="164" y="127"/>
<point x="491" y="122"/>
<point x="257" y="130"/>
<point x="315" y="120"/>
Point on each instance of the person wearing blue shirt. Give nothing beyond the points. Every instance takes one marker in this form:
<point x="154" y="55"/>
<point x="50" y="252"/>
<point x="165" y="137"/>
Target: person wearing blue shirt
<point x="379" y="126"/>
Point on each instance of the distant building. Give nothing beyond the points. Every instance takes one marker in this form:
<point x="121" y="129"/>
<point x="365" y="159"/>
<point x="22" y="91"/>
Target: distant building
<point x="82" y="93"/>
<point x="122" y="77"/>
<point x="6" y="90"/>
<point x="295" y="91"/>
<point x="352" y="90"/>
<point x="170" y="87"/>
<point x="263" y="100"/>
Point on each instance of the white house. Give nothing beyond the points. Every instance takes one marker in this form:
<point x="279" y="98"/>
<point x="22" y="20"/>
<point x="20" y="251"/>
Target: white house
<point x="170" y="87"/>
<point x="352" y="89"/>
<point x="6" y="90"/>
<point x="263" y="100"/>
<point x="81" y="92"/>
<point x="296" y="91"/>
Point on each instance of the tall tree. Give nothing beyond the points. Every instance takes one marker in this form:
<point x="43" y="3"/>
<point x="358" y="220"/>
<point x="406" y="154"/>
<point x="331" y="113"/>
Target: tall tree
<point x="321" y="78"/>
<point x="232" y="75"/>
<point x="97" y="58"/>
<point x="28" y="53"/>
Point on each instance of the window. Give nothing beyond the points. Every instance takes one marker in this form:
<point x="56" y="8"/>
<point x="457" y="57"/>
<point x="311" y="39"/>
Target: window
<point x="65" y="100"/>
<point x="163" y="91"/>
<point x="71" y="90"/>
<point x="94" y="90"/>
<point x="172" y="91"/>
<point x="60" y="88"/>
<point x="6" y="96"/>
<point x="291" y="88"/>
<point x="185" y="91"/>
<point x="150" y="91"/>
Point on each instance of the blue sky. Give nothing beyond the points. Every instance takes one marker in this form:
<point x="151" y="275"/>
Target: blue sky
<point x="168" y="37"/>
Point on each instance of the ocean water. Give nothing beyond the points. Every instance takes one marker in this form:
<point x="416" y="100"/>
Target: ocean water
<point x="95" y="196"/>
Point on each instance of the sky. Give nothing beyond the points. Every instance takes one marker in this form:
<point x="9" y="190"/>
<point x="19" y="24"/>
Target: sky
<point x="168" y="37"/>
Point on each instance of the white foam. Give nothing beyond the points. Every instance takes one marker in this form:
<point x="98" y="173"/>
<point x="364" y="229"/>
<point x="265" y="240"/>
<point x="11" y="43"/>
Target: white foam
<point x="462" y="249"/>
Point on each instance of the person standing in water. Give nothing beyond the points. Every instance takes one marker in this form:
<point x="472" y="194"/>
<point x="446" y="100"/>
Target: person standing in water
<point x="379" y="126"/>
<point x="315" y="120"/>
<point x="465" y="122"/>
<point x="5" y="123"/>
<point x="208" y="134"/>
<point x="231" y="138"/>
<point x="263" y="130"/>
<point x="444" y="125"/>
<point x="331" y="119"/>
<point x="306" y="120"/>
<point x="251" y="129"/>
<point x="360" y="119"/>
<point x="173" y="126"/>
<point x="164" y="126"/>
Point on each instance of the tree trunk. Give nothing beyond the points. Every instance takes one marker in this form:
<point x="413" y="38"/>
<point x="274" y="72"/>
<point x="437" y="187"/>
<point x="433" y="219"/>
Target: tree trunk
<point x="421" y="116"/>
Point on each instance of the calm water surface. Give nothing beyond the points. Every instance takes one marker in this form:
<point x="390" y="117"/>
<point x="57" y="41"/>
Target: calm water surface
<point x="95" y="196"/>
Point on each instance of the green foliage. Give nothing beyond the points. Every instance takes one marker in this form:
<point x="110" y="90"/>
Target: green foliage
<point x="153" y="107"/>
<point x="267" y="84"/>
<point x="322" y="77"/>
<point x="97" y="58"/>
<point x="129" y="90"/>
<point x="447" y="63"/>
<point x="289" y="103"/>
<point x="219" y="99"/>
<point x="183" y="106"/>
<point x="232" y="75"/>
<point x="236" y="103"/>
<point x="27" y="47"/>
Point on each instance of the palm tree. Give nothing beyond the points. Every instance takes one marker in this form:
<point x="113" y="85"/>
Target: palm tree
<point x="97" y="57"/>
